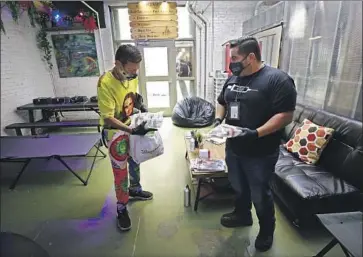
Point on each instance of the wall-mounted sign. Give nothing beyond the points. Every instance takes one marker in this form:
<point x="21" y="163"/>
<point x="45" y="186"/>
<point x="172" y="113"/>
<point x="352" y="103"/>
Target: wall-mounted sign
<point x="152" y="17"/>
<point x="155" y="30"/>
<point x="155" y="23"/>
<point x="153" y="20"/>
<point x="152" y="5"/>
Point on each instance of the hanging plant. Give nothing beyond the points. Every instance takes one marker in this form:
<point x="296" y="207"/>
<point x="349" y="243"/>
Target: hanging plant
<point x="43" y="43"/>
<point x="45" y="46"/>
<point x="14" y="8"/>
<point x="32" y="14"/>
<point x="39" y="12"/>
<point x="2" y="26"/>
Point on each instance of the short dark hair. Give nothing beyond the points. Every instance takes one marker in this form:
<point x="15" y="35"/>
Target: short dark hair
<point x="247" y="45"/>
<point x="128" y="53"/>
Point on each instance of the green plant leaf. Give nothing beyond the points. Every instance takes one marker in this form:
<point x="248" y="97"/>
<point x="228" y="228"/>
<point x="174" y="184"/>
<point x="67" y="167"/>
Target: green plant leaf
<point x="2" y="26"/>
<point x="14" y="8"/>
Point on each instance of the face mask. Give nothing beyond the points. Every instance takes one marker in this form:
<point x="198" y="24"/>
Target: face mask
<point x="122" y="75"/>
<point x="237" y="67"/>
<point x="131" y="76"/>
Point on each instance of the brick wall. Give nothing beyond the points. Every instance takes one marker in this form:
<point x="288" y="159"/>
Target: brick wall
<point x="228" y="17"/>
<point x="24" y="75"/>
<point x="87" y="85"/>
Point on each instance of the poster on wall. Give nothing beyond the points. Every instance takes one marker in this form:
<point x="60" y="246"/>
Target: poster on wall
<point x="76" y="55"/>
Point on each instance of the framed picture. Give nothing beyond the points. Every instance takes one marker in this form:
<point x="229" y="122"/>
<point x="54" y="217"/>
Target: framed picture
<point x="76" y="55"/>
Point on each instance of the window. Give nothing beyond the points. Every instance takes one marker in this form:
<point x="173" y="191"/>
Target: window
<point x="326" y="63"/>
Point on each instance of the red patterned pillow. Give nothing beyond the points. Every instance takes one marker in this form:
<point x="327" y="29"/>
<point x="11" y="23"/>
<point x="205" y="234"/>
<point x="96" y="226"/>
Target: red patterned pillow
<point x="309" y="141"/>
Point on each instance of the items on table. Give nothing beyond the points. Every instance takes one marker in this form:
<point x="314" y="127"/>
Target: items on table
<point x="204" y="154"/>
<point x="216" y="140"/>
<point x="204" y="165"/>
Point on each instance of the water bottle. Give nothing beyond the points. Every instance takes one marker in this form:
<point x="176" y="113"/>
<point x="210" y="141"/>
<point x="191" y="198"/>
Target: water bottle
<point x="192" y="145"/>
<point x="187" y="196"/>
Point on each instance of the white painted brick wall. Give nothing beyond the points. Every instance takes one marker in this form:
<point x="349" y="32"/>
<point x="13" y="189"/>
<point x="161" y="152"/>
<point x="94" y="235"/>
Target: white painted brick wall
<point x="24" y="75"/>
<point x="86" y="86"/>
<point x="228" y="18"/>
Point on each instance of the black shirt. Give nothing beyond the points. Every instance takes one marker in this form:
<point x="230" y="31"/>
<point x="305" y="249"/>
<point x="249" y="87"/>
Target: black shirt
<point x="260" y="96"/>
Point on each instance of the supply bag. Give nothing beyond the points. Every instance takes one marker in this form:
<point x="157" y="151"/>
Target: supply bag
<point x="143" y="148"/>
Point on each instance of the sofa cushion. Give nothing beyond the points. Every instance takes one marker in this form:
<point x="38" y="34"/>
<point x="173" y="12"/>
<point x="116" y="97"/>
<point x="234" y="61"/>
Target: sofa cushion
<point x="309" y="141"/>
<point x="309" y="181"/>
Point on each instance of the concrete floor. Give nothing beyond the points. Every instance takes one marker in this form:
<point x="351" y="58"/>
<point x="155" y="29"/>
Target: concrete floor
<point x="69" y="219"/>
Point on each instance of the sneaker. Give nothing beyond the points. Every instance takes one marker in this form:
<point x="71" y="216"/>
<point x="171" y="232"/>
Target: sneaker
<point x="233" y="220"/>
<point x="264" y="239"/>
<point x="123" y="220"/>
<point x="140" y="195"/>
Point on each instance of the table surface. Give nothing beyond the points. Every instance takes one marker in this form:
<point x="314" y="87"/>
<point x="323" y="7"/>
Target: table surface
<point x="29" y="147"/>
<point x="64" y="106"/>
<point x="346" y="228"/>
<point x="216" y="152"/>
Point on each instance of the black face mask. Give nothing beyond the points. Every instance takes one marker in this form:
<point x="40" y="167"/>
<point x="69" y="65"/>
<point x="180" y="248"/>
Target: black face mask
<point x="131" y="76"/>
<point x="237" y="67"/>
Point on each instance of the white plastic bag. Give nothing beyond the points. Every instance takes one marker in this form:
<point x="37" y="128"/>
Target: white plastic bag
<point x="225" y="130"/>
<point x="153" y="120"/>
<point x="143" y="148"/>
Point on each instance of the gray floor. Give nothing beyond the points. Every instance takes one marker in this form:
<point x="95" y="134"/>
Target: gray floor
<point x="51" y="207"/>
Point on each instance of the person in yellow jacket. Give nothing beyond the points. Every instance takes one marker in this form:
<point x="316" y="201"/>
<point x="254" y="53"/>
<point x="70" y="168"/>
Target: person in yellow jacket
<point x="117" y="100"/>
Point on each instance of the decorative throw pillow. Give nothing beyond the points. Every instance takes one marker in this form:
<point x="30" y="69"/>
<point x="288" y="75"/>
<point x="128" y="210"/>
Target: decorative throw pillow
<point x="309" y="141"/>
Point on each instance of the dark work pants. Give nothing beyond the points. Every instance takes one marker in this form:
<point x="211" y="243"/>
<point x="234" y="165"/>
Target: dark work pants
<point x="250" y="177"/>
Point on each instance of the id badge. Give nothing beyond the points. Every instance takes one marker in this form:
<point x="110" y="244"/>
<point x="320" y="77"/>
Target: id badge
<point x="234" y="111"/>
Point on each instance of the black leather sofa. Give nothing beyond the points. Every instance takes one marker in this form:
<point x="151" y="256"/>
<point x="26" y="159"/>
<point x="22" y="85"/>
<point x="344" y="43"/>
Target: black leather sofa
<point x="335" y="183"/>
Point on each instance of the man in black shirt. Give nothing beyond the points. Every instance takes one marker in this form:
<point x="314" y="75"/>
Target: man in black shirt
<point x="261" y="100"/>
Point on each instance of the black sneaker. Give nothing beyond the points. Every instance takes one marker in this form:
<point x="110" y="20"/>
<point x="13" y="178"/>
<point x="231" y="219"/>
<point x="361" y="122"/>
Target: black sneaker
<point x="140" y="195"/>
<point x="264" y="239"/>
<point x="123" y="220"/>
<point x="233" y="220"/>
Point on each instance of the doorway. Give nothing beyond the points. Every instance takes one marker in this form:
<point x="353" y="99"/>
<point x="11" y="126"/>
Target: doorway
<point x="157" y="75"/>
<point x="270" y="42"/>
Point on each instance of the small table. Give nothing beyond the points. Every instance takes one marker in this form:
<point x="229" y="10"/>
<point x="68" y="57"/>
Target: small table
<point x="346" y="228"/>
<point x="65" y="107"/>
<point x="216" y="152"/>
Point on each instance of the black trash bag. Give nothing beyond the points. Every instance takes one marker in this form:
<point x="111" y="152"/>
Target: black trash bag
<point x="193" y="112"/>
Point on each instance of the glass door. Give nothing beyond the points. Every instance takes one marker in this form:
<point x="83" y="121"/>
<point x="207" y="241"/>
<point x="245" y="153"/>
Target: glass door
<point x="157" y="77"/>
<point x="185" y="69"/>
